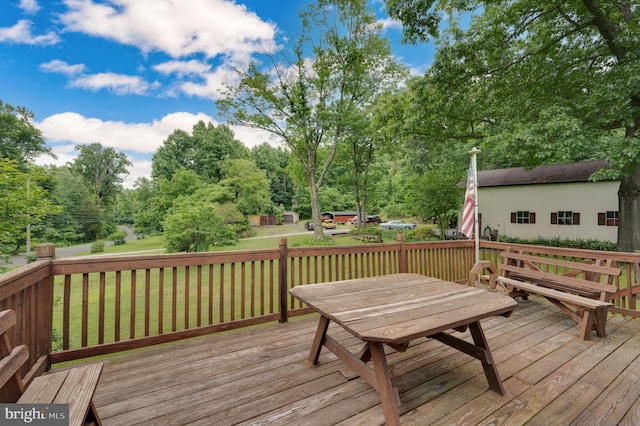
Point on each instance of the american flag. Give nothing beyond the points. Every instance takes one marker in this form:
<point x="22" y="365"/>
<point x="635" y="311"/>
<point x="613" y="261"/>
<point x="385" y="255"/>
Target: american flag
<point x="468" y="217"/>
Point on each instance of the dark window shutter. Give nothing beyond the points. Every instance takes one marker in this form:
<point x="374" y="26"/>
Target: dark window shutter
<point x="532" y="218"/>
<point x="576" y="218"/>
<point x="554" y="218"/>
<point x="513" y="217"/>
<point x="602" y="219"/>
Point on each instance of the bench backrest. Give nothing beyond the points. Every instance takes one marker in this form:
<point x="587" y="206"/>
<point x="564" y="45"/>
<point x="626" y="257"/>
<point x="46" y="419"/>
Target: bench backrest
<point x="584" y="278"/>
<point x="11" y="385"/>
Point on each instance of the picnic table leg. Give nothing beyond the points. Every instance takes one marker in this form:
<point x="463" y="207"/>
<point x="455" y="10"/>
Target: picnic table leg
<point x="488" y="364"/>
<point x="388" y="393"/>
<point x="321" y="333"/>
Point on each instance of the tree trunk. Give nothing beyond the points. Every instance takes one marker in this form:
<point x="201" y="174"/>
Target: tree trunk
<point x="629" y="206"/>
<point x="315" y="208"/>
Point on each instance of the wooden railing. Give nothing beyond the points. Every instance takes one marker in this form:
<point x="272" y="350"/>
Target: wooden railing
<point x="29" y="292"/>
<point x="92" y="306"/>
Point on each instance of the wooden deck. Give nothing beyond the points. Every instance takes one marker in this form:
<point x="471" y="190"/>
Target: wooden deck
<point x="260" y="376"/>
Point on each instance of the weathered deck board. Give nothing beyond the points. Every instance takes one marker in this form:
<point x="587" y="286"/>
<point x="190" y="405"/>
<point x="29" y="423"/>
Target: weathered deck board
<point x="260" y="376"/>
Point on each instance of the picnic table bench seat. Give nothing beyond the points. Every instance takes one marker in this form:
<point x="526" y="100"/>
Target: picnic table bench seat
<point x="582" y="290"/>
<point x="369" y="238"/>
<point x="73" y="386"/>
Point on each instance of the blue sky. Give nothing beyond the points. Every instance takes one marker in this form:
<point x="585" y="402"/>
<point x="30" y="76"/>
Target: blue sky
<point x="127" y="73"/>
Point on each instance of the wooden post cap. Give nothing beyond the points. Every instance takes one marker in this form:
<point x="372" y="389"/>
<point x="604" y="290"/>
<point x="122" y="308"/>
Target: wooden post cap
<point x="46" y="250"/>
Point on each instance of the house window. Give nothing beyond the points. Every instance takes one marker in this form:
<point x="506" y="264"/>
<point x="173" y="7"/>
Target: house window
<point x="523" y="217"/>
<point x="609" y="218"/>
<point x="565" y="218"/>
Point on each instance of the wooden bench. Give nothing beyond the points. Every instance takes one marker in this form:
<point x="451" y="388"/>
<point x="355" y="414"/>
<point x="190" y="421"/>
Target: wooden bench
<point x="74" y="386"/>
<point x="582" y="290"/>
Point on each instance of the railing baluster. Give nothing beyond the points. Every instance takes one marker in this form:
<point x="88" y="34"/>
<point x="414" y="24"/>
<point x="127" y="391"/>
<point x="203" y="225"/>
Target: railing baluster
<point x="101" y="309"/>
<point x="132" y="313"/>
<point x="147" y="302"/>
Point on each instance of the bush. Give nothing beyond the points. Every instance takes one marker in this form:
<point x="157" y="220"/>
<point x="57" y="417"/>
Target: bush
<point x="422" y="233"/>
<point x="97" y="247"/>
<point x="557" y="242"/>
<point x="118" y="237"/>
<point x="310" y="242"/>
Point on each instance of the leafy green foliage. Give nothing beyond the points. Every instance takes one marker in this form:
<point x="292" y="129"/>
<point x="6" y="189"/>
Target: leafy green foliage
<point x="97" y="247"/>
<point x="19" y="139"/>
<point x="118" y="237"/>
<point x="193" y="226"/>
<point x="249" y="184"/>
<point x="101" y="169"/>
<point x="532" y="82"/>
<point x="23" y="202"/>
<point x="202" y="152"/>
<point x="587" y="244"/>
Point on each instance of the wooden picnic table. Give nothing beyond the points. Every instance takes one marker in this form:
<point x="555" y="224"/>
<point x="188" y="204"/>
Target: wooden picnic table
<point x="395" y="309"/>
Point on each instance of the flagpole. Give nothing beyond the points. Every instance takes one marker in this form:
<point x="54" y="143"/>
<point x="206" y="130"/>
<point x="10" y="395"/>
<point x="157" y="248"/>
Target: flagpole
<point x="476" y="231"/>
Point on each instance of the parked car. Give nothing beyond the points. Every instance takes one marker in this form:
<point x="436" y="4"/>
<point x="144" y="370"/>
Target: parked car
<point x="308" y="225"/>
<point x="373" y="218"/>
<point x="397" y="224"/>
<point x="328" y="224"/>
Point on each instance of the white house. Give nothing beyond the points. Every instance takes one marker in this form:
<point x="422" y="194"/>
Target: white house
<point x="551" y="201"/>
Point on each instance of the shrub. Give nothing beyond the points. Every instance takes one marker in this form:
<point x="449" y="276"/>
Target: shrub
<point x="310" y="242"/>
<point x="557" y="242"/>
<point x="97" y="247"/>
<point x="118" y="237"/>
<point x="422" y="233"/>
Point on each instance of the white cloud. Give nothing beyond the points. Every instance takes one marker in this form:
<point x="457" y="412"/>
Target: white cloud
<point x="117" y="83"/>
<point x="142" y="138"/>
<point x="253" y="137"/>
<point x="389" y="23"/>
<point x="182" y="68"/>
<point x="62" y="67"/>
<point x="20" y="33"/>
<point x="179" y="28"/>
<point x="29" y="6"/>
<point x="137" y="140"/>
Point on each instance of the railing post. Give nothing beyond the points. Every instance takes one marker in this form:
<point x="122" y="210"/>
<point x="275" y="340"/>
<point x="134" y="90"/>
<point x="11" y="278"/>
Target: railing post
<point x="46" y="251"/>
<point x="42" y="344"/>
<point x="282" y="279"/>
<point x="403" y="267"/>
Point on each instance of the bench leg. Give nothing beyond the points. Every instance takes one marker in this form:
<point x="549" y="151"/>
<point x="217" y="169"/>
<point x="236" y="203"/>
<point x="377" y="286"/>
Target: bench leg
<point x="601" y="322"/>
<point x="588" y="319"/>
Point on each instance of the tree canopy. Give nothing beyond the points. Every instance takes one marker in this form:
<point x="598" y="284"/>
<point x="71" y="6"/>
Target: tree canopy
<point x="542" y="81"/>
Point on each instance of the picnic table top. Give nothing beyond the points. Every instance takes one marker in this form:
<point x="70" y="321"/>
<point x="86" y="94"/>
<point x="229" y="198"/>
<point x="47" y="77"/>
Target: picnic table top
<point x="399" y="308"/>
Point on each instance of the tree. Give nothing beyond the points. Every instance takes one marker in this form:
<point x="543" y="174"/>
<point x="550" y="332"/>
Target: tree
<point x="203" y="151"/>
<point x="24" y="203"/>
<point x="193" y="226"/>
<point x="552" y="77"/>
<point x="309" y="103"/>
<point x="19" y="139"/>
<point x="102" y="170"/>
<point x="158" y="196"/>
<point x="435" y="194"/>
<point x="68" y="226"/>
<point x="274" y="162"/>
<point x="249" y="184"/>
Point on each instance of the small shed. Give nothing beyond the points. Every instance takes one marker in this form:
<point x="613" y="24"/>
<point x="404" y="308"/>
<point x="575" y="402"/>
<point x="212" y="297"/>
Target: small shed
<point x="290" y="217"/>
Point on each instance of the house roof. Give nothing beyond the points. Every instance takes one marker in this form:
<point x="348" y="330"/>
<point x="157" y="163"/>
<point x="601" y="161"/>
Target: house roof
<point x="550" y="173"/>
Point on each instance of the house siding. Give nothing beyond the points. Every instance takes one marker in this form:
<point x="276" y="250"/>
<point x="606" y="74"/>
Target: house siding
<point x="496" y="203"/>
